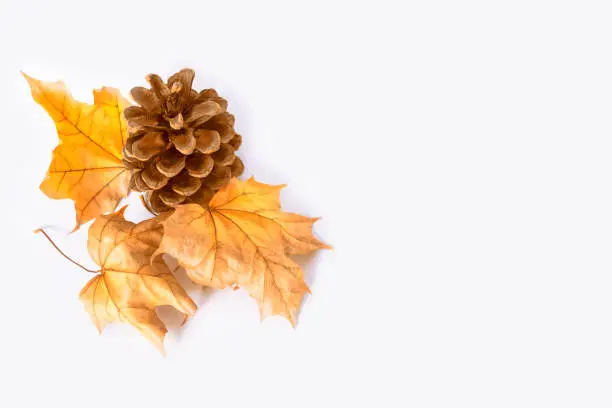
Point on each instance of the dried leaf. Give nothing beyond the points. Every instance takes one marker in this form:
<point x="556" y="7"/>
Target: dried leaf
<point x="242" y="239"/>
<point x="131" y="284"/>
<point x="86" y="166"/>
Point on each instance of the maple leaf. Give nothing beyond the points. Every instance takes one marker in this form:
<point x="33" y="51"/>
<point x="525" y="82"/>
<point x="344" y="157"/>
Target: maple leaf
<point x="86" y="166"/>
<point x="131" y="283"/>
<point x="243" y="239"/>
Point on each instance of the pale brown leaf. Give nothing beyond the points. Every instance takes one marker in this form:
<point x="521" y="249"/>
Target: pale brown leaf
<point x="131" y="284"/>
<point x="243" y="239"/>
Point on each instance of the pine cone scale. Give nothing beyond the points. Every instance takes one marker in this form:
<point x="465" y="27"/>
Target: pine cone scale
<point x="207" y="141"/>
<point x="199" y="165"/>
<point x="171" y="163"/>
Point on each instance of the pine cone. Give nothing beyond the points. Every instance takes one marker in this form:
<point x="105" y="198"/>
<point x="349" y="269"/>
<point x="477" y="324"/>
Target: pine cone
<point x="181" y="143"/>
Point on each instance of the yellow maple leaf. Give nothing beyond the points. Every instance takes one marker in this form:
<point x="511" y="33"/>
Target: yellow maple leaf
<point x="243" y="239"/>
<point x="131" y="283"/>
<point x="86" y="166"/>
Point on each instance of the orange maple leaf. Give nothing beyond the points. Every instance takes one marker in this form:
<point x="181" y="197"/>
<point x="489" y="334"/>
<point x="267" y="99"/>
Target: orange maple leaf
<point x="131" y="283"/>
<point x="243" y="239"/>
<point x="86" y="166"/>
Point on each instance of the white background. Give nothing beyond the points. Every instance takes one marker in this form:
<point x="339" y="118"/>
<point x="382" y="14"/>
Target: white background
<point x="458" y="152"/>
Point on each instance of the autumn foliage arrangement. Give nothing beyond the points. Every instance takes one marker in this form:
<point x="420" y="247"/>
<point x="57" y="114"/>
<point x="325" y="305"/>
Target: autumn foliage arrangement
<point x="177" y="148"/>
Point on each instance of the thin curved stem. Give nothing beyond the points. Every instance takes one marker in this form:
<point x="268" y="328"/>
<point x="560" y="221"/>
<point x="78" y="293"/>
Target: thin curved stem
<point x="62" y="253"/>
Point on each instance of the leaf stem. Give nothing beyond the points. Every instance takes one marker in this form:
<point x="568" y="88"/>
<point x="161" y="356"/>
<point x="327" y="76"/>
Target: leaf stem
<point x="62" y="253"/>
